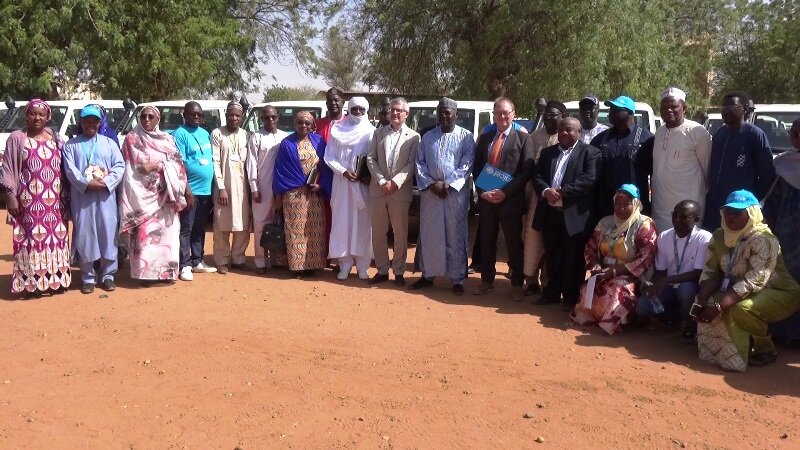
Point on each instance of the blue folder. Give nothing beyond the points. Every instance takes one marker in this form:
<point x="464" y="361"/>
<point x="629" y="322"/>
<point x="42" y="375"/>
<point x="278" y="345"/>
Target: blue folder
<point x="492" y="178"/>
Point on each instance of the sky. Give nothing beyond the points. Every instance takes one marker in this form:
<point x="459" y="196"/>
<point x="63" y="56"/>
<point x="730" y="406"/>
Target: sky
<point x="286" y="74"/>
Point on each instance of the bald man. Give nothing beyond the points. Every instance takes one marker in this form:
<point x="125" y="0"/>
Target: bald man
<point x="566" y="178"/>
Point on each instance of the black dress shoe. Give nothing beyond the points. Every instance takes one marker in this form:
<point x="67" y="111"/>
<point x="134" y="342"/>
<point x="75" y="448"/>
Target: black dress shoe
<point x="87" y="288"/>
<point x="421" y="284"/>
<point x="458" y="289"/>
<point x="108" y="285"/>
<point x="378" y="278"/>
<point x="399" y="280"/>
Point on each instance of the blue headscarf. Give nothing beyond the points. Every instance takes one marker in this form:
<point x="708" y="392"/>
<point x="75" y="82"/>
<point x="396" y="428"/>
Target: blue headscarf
<point x="288" y="171"/>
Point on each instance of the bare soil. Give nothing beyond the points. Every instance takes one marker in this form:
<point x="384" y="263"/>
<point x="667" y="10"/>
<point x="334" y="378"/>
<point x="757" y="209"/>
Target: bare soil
<point x="270" y="361"/>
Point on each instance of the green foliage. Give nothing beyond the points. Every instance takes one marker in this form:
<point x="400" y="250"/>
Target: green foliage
<point x="341" y="63"/>
<point x="481" y="49"/>
<point x="277" y="93"/>
<point x="151" y="50"/>
<point x="761" y="56"/>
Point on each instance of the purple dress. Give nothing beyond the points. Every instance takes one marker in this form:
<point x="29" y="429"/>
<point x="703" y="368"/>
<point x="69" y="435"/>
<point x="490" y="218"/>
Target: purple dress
<point x="32" y="172"/>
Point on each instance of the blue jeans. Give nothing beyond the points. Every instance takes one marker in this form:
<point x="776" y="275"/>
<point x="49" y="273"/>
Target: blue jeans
<point x="672" y="298"/>
<point x="193" y="230"/>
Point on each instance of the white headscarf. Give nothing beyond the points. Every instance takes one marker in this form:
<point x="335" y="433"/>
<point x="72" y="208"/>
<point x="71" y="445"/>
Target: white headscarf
<point x="354" y="129"/>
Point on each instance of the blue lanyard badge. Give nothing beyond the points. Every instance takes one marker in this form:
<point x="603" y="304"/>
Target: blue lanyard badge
<point x="92" y="150"/>
<point x="203" y="160"/>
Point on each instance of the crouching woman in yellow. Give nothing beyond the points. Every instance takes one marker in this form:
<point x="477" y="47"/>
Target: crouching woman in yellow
<point x="743" y="288"/>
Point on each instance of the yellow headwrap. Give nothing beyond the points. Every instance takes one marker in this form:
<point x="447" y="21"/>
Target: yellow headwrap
<point x="755" y="223"/>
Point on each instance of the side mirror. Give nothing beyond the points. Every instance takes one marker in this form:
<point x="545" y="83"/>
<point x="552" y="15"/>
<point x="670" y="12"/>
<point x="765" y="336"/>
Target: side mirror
<point x="128" y="103"/>
<point x="245" y="104"/>
<point x="72" y="130"/>
<point x="10" y="103"/>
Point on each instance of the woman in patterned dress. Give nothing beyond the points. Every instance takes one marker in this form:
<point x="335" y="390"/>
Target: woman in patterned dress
<point x="745" y="283"/>
<point x="32" y="177"/>
<point x="300" y="200"/>
<point x="154" y="190"/>
<point x="621" y="250"/>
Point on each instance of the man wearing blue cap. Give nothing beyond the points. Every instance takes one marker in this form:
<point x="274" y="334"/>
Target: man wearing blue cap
<point x="619" y="146"/>
<point x="94" y="166"/>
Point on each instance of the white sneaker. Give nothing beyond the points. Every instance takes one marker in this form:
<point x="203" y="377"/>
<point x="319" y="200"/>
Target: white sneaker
<point x="363" y="275"/>
<point x="344" y="272"/>
<point x="186" y="274"/>
<point x="201" y="267"/>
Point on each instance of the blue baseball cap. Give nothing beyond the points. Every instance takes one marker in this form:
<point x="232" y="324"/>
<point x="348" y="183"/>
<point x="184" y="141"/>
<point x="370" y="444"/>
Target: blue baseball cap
<point x="91" y="110"/>
<point x="622" y="102"/>
<point x="629" y="189"/>
<point x="741" y="199"/>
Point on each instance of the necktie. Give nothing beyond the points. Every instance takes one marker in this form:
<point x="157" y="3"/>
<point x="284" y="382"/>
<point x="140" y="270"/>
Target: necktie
<point x="494" y="155"/>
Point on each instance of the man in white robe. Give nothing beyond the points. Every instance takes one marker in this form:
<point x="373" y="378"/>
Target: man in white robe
<point x="444" y="162"/>
<point x="681" y="154"/>
<point x="232" y="196"/>
<point x="351" y="229"/>
<point x="262" y="148"/>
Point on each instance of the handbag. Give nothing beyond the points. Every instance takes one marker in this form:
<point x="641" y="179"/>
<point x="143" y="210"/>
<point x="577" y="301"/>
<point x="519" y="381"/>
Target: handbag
<point x="714" y="345"/>
<point x="273" y="237"/>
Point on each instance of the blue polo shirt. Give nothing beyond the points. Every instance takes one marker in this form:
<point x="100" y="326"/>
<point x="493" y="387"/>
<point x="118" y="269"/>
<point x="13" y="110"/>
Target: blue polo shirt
<point x="194" y="143"/>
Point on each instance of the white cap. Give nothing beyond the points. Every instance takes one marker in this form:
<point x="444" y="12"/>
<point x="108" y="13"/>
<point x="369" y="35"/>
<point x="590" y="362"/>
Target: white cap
<point x="673" y="92"/>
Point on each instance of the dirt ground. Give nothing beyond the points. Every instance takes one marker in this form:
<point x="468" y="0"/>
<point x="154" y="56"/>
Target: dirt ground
<point x="261" y="362"/>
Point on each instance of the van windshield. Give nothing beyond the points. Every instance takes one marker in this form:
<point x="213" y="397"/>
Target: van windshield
<point x="424" y="119"/>
<point x="642" y="118"/>
<point x="776" y="126"/>
<point x="172" y="118"/>
<point x="18" y="122"/>
<point x="115" y="115"/>
<point x="285" y="117"/>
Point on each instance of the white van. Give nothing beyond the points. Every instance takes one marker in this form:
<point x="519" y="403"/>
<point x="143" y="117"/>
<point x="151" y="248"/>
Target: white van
<point x="775" y="121"/>
<point x="713" y="122"/>
<point x="65" y="116"/>
<point x="472" y="115"/>
<point x="644" y="115"/>
<point x="286" y="111"/>
<point x="172" y="115"/>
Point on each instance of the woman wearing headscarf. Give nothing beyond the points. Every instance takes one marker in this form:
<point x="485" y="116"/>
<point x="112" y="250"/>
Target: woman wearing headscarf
<point x="782" y="205"/>
<point x="301" y="198"/>
<point x="745" y="286"/>
<point x="351" y="230"/>
<point x="622" y="249"/>
<point x="32" y="177"/>
<point x="235" y="176"/>
<point x="154" y="190"/>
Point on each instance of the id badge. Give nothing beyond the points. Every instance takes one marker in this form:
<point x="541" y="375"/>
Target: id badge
<point x="203" y="161"/>
<point x="609" y="261"/>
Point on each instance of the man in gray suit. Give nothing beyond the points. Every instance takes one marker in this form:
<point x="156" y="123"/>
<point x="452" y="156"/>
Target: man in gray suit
<point x="391" y="162"/>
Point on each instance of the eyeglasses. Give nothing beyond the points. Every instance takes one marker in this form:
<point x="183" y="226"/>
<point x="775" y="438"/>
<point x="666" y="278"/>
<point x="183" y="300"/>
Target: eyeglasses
<point x="147" y="116"/>
<point x="194" y="114"/>
<point x="503" y="113"/>
<point x="732" y="107"/>
<point x="398" y="111"/>
<point x="274" y="117"/>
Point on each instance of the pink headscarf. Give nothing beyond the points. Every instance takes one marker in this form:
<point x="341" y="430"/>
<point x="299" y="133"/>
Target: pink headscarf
<point x="37" y="102"/>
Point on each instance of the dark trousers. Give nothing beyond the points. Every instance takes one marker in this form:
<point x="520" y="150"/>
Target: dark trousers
<point x="489" y="223"/>
<point x="563" y="253"/>
<point x="476" y="247"/>
<point x="193" y="230"/>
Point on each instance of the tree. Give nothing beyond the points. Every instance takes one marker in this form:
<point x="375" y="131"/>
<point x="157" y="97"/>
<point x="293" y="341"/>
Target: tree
<point x="151" y="50"/>
<point x="760" y="55"/>
<point x="482" y="49"/>
<point x="277" y="93"/>
<point x="341" y="63"/>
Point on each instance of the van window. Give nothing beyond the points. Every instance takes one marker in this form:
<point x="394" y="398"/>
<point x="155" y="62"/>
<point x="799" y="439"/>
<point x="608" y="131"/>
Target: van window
<point x="285" y="117"/>
<point x="18" y="121"/>
<point x="776" y="126"/>
<point x="422" y="120"/>
<point x="484" y="119"/>
<point x="114" y="115"/>
<point x="172" y="118"/>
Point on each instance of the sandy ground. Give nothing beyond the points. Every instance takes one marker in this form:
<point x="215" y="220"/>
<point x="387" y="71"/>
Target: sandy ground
<point x="273" y="362"/>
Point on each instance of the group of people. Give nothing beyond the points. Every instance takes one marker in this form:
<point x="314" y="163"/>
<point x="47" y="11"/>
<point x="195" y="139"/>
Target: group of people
<point x="570" y="197"/>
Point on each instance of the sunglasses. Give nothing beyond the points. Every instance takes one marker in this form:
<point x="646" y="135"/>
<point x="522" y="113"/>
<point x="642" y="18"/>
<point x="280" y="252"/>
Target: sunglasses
<point x="147" y="116"/>
<point x="194" y="114"/>
<point x="271" y="117"/>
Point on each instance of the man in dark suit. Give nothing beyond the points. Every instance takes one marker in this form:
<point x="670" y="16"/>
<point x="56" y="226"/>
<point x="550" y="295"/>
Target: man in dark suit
<point x="504" y="207"/>
<point x="566" y="178"/>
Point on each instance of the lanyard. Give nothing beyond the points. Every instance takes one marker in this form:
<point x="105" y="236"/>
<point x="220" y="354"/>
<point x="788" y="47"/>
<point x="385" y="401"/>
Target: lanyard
<point x="679" y="262"/>
<point x="733" y="255"/>
<point x="199" y="146"/>
<point x="92" y="152"/>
